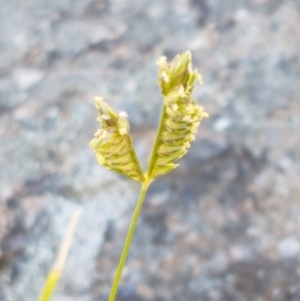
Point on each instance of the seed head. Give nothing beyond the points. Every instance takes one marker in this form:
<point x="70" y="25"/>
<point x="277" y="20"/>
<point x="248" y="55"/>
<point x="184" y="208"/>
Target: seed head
<point x="112" y="143"/>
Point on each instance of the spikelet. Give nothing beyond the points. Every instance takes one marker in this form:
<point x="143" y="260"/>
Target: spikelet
<point x="112" y="143"/>
<point x="181" y="115"/>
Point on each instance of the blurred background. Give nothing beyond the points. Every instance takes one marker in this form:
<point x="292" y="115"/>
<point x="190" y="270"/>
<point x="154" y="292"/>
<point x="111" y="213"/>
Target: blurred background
<point x="223" y="226"/>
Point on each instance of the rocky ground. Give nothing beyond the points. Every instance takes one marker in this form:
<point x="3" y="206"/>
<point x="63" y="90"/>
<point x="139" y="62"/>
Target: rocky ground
<point x="225" y="224"/>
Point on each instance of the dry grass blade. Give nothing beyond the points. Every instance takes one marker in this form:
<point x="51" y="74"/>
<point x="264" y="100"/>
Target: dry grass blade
<point x="59" y="264"/>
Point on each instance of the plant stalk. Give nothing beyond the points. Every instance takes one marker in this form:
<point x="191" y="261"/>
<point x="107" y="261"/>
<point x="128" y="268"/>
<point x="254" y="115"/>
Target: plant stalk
<point x="157" y="141"/>
<point x="128" y="240"/>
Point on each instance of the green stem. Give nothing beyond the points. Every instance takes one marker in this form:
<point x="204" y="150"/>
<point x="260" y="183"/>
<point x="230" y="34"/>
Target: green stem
<point x="157" y="141"/>
<point x="128" y="240"/>
<point x="136" y="159"/>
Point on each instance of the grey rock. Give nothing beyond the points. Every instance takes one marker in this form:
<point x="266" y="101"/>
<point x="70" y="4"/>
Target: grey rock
<point x="27" y="78"/>
<point x="289" y="247"/>
<point x="224" y="225"/>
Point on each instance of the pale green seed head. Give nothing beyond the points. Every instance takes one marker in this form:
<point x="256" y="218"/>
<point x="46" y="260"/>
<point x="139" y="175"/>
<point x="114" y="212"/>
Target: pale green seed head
<point x="112" y="143"/>
<point x="182" y="115"/>
<point x="179" y="123"/>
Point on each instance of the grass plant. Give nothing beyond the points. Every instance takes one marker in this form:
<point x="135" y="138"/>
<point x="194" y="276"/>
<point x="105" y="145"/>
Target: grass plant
<point x="112" y="144"/>
<point x="180" y="119"/>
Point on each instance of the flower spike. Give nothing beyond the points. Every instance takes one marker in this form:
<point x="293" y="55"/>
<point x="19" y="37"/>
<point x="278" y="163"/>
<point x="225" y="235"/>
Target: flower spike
<point x="180" y="119"/>
<point x="112" y="143"/>
<point x="179" y="122"/>
<point x="181" y="115"/>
